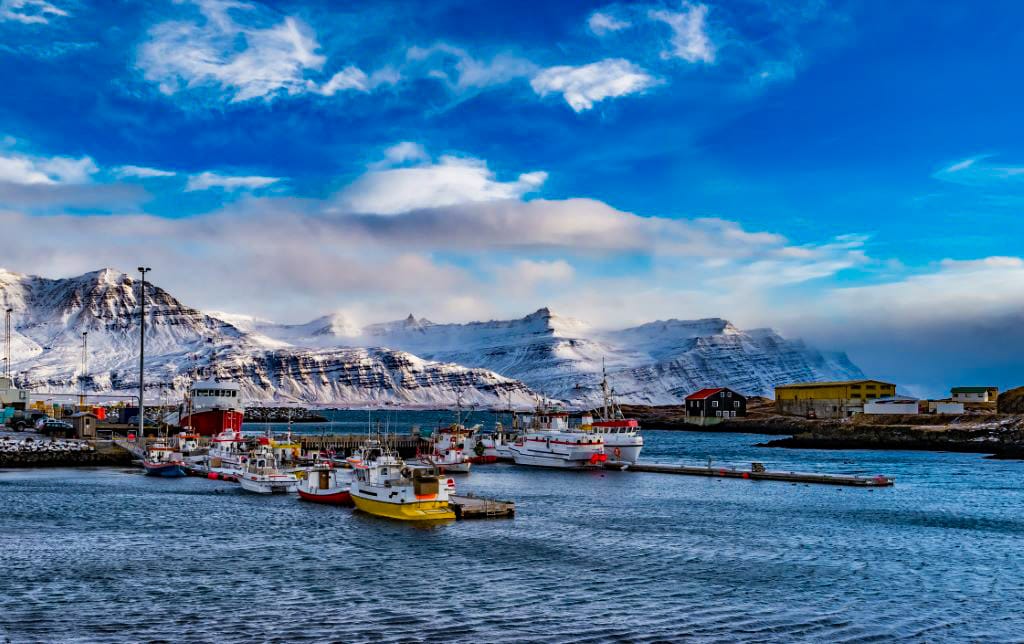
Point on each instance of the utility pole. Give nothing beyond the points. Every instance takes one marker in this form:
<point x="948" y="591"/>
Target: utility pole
<point x="142" y="352"/>
<point x="85" y="369"/>
<point x="7" y="341"/>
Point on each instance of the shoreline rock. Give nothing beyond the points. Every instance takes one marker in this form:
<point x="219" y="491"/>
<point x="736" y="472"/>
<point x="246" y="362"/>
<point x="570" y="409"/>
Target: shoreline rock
<point x="102" y="457"/>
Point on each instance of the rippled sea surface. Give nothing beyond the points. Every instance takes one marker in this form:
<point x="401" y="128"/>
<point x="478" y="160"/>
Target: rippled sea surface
<point x="111" y="555"/>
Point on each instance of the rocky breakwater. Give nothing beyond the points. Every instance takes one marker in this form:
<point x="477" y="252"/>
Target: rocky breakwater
<point x="36" y="452"/>
<point x="1001" y="436"/>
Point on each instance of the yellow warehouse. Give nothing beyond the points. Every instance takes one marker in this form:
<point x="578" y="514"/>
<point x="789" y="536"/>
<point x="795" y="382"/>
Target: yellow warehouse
<point x="829" y="399"/>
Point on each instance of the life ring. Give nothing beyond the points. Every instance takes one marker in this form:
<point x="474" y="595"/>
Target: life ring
<point x="618" y="452"/>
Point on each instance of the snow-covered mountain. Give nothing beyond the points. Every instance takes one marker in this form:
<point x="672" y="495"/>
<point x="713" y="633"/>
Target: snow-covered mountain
<point x="412" y="361"/>
<point x="50" y="317"/>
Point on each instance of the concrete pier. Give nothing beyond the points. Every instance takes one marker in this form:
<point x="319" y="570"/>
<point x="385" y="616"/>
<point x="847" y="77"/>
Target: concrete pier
<point x="758" y="474"/>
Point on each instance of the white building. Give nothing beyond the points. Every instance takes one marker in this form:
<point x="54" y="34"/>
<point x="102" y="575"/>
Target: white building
<point x="974" y="394"/>
<point x="891" y="406"/>
<point x="945" y="407"/>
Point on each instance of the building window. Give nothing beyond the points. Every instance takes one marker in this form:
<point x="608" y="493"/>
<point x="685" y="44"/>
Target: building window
<point x="728" y="394"/>
<point x="718" y="413"/>
<point x="714" y="403"/>
<point x="736" y="404"/>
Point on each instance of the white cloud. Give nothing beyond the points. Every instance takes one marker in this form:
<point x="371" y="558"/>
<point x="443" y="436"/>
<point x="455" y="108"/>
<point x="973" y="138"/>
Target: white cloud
<point x="588" y="84"/>
<point x="29" y="11"/>
<point x="352" y="78"/>
<point x="690" y="40"/>
<point x="27" y="169"/>
<point x="208" y="180"/>
<point x="401" y="154"/>
<point x="980" y="171"/>
<point x="957" y="288"/>
<point x="603" y="22"/>
<point x="141" y="172"/>
<point x="462" y="72"/>
<point x="450" y="181"/>
<point x="218" y="52"/>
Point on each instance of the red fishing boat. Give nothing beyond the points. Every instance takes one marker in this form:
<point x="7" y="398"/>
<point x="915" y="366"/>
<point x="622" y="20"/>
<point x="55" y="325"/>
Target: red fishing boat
<point x="325" y="483"/>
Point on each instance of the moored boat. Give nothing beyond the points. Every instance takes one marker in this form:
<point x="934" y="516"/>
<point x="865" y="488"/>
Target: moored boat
<point x="325" y="483"/>
<point x="621" y="435"/>
<point x="551" y="443"/>
<point x="228" y="450"/>
<point x="262" y="476"/>
<point x="449" y="449"/>
<point x="383" y="485"/>
<point x="161" y="460"/>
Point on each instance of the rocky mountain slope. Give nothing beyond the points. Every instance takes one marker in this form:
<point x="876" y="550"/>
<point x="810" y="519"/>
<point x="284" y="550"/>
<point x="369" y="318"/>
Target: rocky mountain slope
<point x="411" y="362"/>
<point x="50" y="317"/>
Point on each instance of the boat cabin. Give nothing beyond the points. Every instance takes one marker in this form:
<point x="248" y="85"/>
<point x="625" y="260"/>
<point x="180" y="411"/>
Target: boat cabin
<point x="210" y="393"/>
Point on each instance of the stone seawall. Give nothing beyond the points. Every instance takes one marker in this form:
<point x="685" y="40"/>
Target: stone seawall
<point x="105" y="456"/>
<point x="1002" y="439"/>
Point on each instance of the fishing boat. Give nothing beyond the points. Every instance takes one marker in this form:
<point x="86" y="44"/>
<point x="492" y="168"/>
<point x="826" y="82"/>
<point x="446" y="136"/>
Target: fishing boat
<point x="187" y="443"/>
<point x="621" y="435"/>
<point x="493" y="446"/>
<point x="325" y="483"/>
<point x="383" y="485"/>
<point x="161" y="460"/>
<point x="449" y="449"/>
<point x="228" y="450"/>
<point x="550" y="442"/>
<point x="262" y="476"/>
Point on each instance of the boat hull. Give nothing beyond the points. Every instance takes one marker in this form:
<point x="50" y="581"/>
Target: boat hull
<point x="418" y="511"/>
<point x="166" y="470"/>
<point x="211" y="422"/>
<point x="623" y="453"/>
<point x="553" y="461"/>
<point x="330" y="498"/>
<point x="268" y="487"/>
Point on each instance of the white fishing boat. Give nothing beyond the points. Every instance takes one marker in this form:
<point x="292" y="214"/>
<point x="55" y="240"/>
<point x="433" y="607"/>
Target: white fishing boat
<point x="262" y="476"/>
<point x="493" y="446"/>
<point x="551" y="443"/>
<point x="448" y="445"/>
<point x="621" y="435"/>
<point x="228" y="450"/>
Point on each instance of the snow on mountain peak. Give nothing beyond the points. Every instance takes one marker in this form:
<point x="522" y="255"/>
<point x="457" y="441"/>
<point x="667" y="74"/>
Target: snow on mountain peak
<point x="407" y="361"/>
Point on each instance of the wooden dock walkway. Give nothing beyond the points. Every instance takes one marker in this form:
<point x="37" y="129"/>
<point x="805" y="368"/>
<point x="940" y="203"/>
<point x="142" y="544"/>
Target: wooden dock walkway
<point x="474" y="507"/>
<point x="344" y="444"/>
<point x="756" y="473"/>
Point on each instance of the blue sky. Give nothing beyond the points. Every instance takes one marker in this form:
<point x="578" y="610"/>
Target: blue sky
<point x="851" y="172"/>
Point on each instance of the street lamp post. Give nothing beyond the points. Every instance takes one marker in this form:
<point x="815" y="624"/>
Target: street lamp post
<point x="7" y="341"/>
<point x="85" y="368"/>
<point x="142" y="351"/>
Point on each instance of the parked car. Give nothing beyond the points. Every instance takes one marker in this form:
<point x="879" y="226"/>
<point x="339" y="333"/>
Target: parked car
<point x="50" y="425"/>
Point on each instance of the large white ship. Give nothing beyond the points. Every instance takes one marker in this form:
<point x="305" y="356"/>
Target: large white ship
<point x="551" y="443"/>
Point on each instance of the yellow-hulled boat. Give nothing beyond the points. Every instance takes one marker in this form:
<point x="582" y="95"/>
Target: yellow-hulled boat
<point x="383" y="485"/>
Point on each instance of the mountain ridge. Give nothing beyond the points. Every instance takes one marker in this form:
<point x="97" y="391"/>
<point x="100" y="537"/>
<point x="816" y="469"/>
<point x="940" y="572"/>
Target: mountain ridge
<point x="411" y="361"/>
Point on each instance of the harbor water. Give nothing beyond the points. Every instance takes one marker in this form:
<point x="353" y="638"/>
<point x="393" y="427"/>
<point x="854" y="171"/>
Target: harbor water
<point x="99" y="555"/>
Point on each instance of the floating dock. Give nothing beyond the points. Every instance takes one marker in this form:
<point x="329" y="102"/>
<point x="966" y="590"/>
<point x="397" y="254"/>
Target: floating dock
<point x="474" y="507"/>
<point x="195" y="469"/>
<point x="758" y="473"/>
